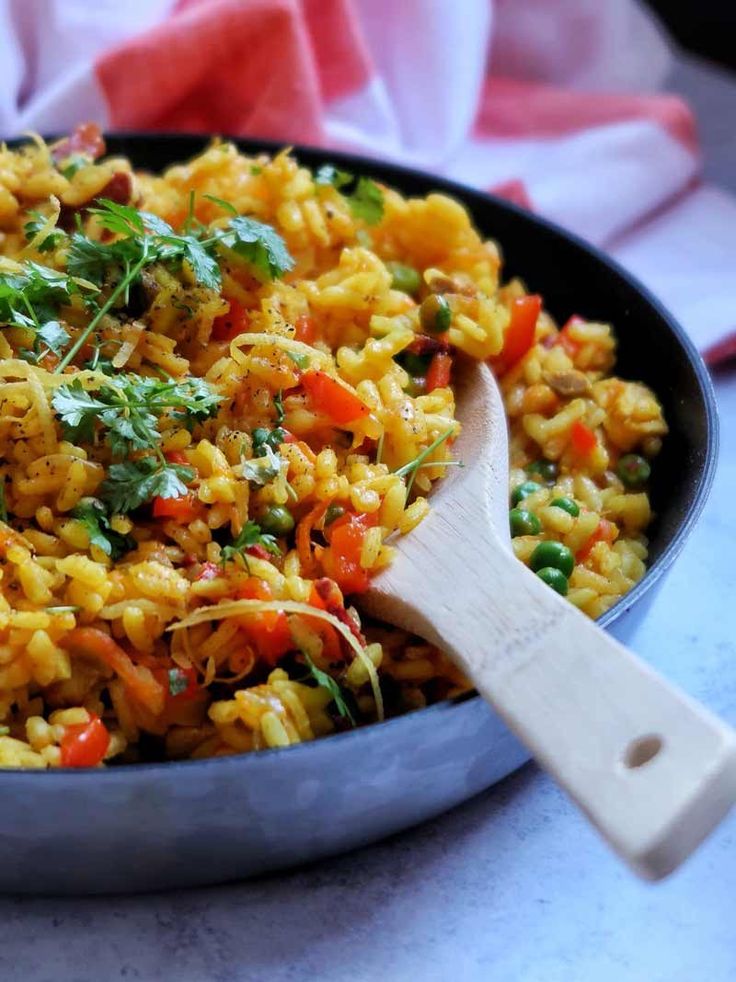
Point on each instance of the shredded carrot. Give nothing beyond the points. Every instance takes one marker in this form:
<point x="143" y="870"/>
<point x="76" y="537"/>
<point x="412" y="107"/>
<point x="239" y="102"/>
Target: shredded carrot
<point x="304" y="533"/>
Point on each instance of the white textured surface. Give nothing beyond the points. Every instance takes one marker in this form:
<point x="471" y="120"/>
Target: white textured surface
<point x="512" y="886"/>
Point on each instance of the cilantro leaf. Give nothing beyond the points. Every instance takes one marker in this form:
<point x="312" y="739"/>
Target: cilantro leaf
<point x="92" y="514"/>
<point x="259" y="244"/>
<point x="134" y="482"/>
<point x="35" y="225"/>
<point x="129" y="409"/>
<point x="178" y="681"/>
<point x="71" y="164"/>
<point x="329" y="174"/>
<point x="263" y="469"/>
<point x="249" y="535"/>
<point x="363" y="195"/>
<point x="121" y="219"/>
<point x="325" y="681"/>
<point x="33" y="294"/>
<point x="366" y="201"/>
<point x="54" y="336"/>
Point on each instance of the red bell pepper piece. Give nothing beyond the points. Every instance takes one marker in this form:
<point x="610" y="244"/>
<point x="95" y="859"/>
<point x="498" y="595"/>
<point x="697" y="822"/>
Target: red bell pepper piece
<point x="330" y="397"/>
<point x="438" y="373"/>
<point x="230" y="325"/>
<point x="182" y="510"/>
<point x="341" y="559"/>
<point x="306" y="329"/>
<point x="84" y="744"/>
<point x="582" y="438"/>
<point x="268" y="631"/>
<point x="519" y="336"/>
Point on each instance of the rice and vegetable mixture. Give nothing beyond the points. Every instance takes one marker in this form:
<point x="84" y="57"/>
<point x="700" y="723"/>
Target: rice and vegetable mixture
<point x="226" y="391"/>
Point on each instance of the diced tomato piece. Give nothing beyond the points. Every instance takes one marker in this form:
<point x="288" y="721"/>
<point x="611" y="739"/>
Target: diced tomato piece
<point x="230" y="325"/>
<point x="439" y="371"/>
<point x="519" y="336"/>
<point x="182" y="510"/>
<point x="176" y="457"/>
<point x="268" y="631"/>
<point x="341" y="560"/>
<point x="331" y="397"/>
<point x="604" y="531"/>
<point x="306" y="329"/>
<point x="258" y="551"/>
<point x="84" y="744"/>
<point x="571" y="346"/>
<point x="582" y="438"/>
<point x="184" y="682"/>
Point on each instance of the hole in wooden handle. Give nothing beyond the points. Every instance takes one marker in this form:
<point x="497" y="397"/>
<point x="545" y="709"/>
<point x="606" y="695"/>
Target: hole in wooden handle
<point x="642" y="750"/>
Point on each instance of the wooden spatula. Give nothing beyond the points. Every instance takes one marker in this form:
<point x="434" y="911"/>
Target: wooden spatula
<point x="653" y="770"/>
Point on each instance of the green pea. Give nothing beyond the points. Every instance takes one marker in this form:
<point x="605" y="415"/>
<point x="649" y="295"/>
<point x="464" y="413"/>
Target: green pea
<point x="435" y="314"/>
<point x="277" y="521"/>
<point x="633" y="470"/>
<point x="566" y="504"/>
<point x="260" y="435"/>
<point x="524" y="522"/>
<point x="415" y="365"/>
<point x="522" y="491"/>
<point x="554" y="578"/>
<point x="404" y="278"/>
<point x="553" y="554"/>
<point x="334" y="512"/>
<point x="547" y="469"/>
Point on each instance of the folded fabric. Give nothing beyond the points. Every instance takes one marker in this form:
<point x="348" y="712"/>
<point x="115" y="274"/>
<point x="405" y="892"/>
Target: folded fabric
<point x="555" y="105"/>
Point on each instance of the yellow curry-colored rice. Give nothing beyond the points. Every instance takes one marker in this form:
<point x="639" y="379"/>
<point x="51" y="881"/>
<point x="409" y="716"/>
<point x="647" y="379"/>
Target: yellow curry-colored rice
<point x="173" y="605"/>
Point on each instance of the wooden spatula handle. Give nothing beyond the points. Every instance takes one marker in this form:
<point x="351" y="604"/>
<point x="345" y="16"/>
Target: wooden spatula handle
<point x="653" y="770"/>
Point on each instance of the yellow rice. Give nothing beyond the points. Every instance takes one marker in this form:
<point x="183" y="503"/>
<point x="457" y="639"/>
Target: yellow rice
<point x="54" y="581"/>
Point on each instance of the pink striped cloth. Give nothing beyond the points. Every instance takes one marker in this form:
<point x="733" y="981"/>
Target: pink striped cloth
<point x="554" y="103"/>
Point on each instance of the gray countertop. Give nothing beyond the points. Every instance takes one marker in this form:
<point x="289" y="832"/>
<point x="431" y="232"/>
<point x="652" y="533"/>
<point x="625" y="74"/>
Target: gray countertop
<point x="511" y="886"/>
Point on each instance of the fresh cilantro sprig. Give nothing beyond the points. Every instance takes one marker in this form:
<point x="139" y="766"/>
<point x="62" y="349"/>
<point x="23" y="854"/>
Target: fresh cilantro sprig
<point x="257" y="243"/>
<point x="93" y="515"/>
<point x="363" y="195"/>
<point x="325" y="681"/>
<point x="122" y="287"/>
<point x="264" y="469"/>
<point x="134" y="482"/>
<point x="129" y="408"/>
<point x="249" y="535"/>
<point x="35" y="225"/>
<point x="34" y="294"/>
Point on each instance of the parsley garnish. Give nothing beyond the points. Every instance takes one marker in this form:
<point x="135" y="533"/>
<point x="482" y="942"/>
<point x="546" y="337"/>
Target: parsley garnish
<point x="34" y="295"/>
<point x="326" y="681"/>
<point x="363" y="195"/>
<point x="249" y="535"/>
<point x="178" y="681"/>
<point x="134" y="482"/>
<point x="265" y="468"/>
<point x="92" y="514"/>
<point x="3" y="503"/>
<point x="35" y="225"/>
<point x="259" y="244"/>
<point x="129" y="408"/>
